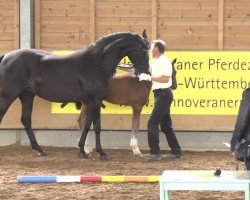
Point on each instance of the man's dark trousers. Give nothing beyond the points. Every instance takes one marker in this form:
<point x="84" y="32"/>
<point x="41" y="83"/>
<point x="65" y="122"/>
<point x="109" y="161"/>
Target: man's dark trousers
<point x="160" y="116"/>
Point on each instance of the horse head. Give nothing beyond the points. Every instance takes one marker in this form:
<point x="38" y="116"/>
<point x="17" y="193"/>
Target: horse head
<point x="138" y="54"/>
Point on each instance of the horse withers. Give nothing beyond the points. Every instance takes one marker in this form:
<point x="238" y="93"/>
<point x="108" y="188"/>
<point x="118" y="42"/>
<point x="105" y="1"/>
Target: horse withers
<point x="83" y="76"/>
<point x="126" y="89"/>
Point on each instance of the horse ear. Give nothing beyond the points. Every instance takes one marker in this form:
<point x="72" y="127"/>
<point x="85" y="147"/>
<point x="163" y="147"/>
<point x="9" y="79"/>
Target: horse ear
<point x="174" y="61"/>
<point x="144" y="35"/>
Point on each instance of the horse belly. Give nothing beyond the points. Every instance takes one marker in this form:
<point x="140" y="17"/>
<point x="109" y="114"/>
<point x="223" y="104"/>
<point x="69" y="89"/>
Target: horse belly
<point x="126" y="90"/>
<point x="58" y="92"/>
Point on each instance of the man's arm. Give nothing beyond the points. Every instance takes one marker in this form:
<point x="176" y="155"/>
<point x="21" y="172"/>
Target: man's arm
<point x="160" y="79"/>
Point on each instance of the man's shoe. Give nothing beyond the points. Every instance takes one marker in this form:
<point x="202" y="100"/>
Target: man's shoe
<point x="150" y="156"/>
<point x="171" y="156"/>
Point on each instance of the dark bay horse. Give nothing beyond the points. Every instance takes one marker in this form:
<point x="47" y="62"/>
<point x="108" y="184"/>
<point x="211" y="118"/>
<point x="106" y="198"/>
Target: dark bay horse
<point x="126" y="89"/>
<point x="83" y="76"/>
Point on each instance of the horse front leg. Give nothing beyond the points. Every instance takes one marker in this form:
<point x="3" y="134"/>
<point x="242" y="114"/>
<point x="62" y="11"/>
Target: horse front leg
<point x="97" y="129"/>
<point x="26" y="99"/>
<point x="135" y="130"/>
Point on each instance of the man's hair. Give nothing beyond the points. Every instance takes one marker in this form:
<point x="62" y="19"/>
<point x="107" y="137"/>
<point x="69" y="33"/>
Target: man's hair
<point x="160" y="44"/>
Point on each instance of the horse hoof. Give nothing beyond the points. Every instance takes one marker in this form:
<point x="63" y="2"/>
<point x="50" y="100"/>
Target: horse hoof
<point x="104" y="157"/>
<point x="42" y="154"/>
<point x="82" y="155"/>
<point x="137" y="153"/>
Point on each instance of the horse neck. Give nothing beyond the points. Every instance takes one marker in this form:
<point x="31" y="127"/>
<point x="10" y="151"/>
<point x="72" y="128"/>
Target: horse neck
<point x="110" y="50"/>
<point x="110" y="63"/>
<point x="110" y="60"/>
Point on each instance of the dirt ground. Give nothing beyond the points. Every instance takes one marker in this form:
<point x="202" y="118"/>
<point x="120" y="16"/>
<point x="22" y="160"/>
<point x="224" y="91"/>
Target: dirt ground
<point x="18" y="160"/>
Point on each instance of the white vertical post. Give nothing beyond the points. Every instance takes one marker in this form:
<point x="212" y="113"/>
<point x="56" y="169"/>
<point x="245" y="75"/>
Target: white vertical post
<point x="26" y="24"/>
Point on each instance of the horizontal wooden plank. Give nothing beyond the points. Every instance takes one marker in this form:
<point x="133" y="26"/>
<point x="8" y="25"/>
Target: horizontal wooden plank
<point x="113" y="1"/>
<point x="7" y="28"/>
<point x="237" y="22"/>
<point x="123" y="9"/>
<point x="243" y="13"/>
<point x="237" y="42"/>
<point x="64" y="8"/>
<point x="137" y="29"/>
<point x="183" y="1"/>
<point x="109" y="25"/>
<point x="51" y="49"/>
<point x="238" y="47"/>
<point x="77" y="20"/>
<point x="58" y="46"/>
<point x="239" y="31"/>
<point x="187" y="4"/>
<point x="189" y="30"/>
<point x="188" y="9"/>
<point x="64" y="40"/>
<point x="6" y="8"/>
<point x="6" y="44"/>
<point x="4" y="51"/>
<point x="181" y="42"/>
<point x="235" y="9"/>
<point x="236" y="4"/>
<point x="187" y="21"/>
<point x="123" y="21"/>
<point x="111" y="29"/>
<point x="6" y="35"/>
<point x="60" y="28"/>
<point x="6" y="19"/>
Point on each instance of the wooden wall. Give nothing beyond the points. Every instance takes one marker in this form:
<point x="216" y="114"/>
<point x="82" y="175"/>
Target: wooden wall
<point x="183" y="24"/>
<point x="74" y="24"/>
<point x="237" y="25"/>
<point x="9" y="25"/>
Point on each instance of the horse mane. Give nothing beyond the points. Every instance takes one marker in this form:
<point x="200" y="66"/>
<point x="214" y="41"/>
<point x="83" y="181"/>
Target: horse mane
<point x="113" y="36"/>
<point x="1" y="58"/>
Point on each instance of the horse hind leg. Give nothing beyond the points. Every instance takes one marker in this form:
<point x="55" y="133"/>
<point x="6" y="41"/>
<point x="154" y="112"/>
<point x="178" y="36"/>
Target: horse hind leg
<point x="26" y="99"/>
<point x="86" y="119"/>
<point x="81" y="121"/>
<point x="93" y="115"/>
<point x="4" y="105"/>
<point x="135" y="130"/>
<point x="97" y="129"/>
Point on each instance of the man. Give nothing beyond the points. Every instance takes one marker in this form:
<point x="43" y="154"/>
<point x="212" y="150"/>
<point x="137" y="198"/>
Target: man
<point x="161" y="72"/>
<point x="242" y="125"/>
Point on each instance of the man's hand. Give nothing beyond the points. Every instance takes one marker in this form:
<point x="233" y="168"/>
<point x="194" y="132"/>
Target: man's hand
<point x="144" y="77"/>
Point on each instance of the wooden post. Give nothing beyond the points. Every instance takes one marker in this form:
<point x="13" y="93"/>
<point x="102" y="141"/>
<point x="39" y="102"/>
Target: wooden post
<point x="221" y="25"/>
<point x="37" y="24"/>
<point x="92" y="21"/>
<point x="16" y="24"/>
<point x="154" y="19"/>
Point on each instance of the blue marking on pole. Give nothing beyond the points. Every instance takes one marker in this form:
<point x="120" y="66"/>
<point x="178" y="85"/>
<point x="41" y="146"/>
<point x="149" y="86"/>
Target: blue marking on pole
<point x="37" y="179"/>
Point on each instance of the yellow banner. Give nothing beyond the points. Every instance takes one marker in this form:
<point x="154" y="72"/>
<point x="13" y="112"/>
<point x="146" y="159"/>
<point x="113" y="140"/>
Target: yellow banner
<point x="209" y="83"/>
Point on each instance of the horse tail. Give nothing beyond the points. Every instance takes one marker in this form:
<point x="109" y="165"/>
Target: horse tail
<point x="174" y="80"/>
<point x="173" y="63"/>
<point x="1" y="58"/>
